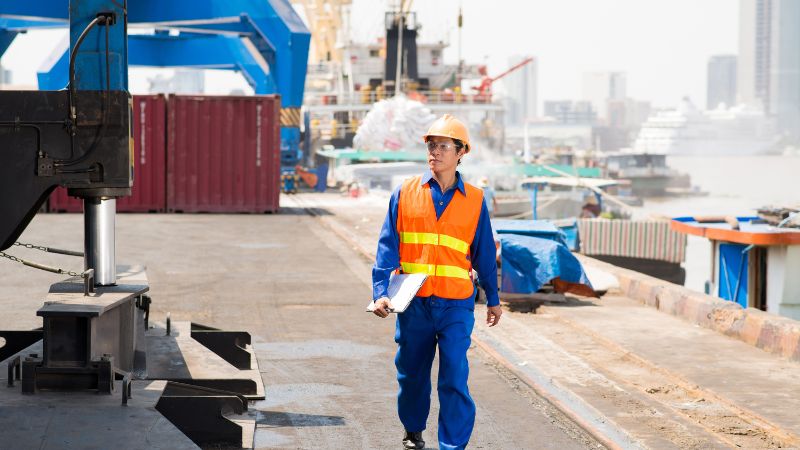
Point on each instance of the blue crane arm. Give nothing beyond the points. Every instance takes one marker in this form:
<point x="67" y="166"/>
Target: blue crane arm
<point x="198" y="51"/>
<point x="273" y="26"/>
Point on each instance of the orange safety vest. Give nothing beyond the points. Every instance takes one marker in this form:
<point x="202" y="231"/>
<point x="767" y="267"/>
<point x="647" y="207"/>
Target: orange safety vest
<point x="438" y="248"/>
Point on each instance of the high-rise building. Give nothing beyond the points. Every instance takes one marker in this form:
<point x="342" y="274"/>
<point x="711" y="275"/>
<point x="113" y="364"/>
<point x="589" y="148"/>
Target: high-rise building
<point x="721" y="86"/>
<point x="521" y="97"/>
<point x="600" y="87"/>
<point x="753" y="59"/>
<point x="784" y="74"/>
<point x="769" y="60"/>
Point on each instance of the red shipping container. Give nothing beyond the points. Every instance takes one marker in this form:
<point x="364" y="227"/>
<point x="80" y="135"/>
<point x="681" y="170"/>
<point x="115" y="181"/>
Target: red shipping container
<point x="223" y="153"/>
<point x="149" y="192"/>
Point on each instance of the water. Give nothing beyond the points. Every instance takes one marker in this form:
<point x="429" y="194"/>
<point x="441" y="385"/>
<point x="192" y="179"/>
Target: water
<point x="736" y="186"/>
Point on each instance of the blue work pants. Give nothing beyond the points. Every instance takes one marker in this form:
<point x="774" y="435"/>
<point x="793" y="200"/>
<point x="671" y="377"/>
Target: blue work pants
<point x="426" y="323"/>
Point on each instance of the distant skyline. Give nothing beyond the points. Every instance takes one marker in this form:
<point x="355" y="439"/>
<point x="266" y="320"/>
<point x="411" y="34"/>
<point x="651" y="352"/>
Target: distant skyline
<point x="663" y="46"/>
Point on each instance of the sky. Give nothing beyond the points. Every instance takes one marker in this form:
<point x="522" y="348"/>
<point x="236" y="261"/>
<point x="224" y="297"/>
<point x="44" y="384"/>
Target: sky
<point x="662" y="45"/>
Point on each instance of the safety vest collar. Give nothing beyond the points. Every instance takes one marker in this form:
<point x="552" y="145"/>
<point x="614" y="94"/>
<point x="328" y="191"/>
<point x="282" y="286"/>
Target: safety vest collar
<point x="428" y="176"/>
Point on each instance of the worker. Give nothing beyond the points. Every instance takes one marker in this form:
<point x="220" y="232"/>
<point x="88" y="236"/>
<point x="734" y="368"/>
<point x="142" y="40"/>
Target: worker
<point x="591" y="208"/>
<point x="438" y="225"/>
<point x="488" y="195"/>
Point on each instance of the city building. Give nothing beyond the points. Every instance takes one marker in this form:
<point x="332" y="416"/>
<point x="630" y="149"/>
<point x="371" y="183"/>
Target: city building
<point x="627" y="113"/>
<point x="784" y="77"/>
<point x="570" y="112"/>
<point x="753" y="59"/>
<point x="721" y="88"/>
<point x="521" y="96"/>
<point x="600" y="87"/>
<point x="769" y="60"/>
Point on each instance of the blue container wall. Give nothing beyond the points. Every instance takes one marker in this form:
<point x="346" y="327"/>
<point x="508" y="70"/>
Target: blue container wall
<point x="733" y="265"/>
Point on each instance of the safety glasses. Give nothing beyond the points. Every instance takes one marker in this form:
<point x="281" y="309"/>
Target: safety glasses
<point x="443" y="147"/>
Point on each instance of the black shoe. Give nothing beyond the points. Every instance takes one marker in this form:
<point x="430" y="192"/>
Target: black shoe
<point x="413" y="440"/>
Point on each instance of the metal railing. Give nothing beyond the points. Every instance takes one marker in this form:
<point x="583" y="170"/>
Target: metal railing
<point x="372" y="96"/>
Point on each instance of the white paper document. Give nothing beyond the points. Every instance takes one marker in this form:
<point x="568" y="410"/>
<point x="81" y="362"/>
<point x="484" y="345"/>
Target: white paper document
<point x="402" y="289"/>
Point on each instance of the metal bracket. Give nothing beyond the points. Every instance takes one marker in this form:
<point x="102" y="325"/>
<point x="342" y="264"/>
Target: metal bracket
<point x="45" y="167"/>
<point x="99" y="376"/>
<point x="228" y="345"/>
<point x="199" y="413"/>
<point x="107" y="18"/>
<point x="143" y="302"/>
<point x="13" y="374"/>
<point x="88" y="282"/>
<point x="242" y="387"/>
<point x="127" y="386"/>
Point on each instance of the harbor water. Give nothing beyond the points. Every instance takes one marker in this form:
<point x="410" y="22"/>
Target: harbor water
<point x="735" y="186"/>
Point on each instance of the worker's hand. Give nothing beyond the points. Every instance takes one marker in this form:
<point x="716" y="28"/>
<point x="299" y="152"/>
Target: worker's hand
<point x="493" y="314"/>
<point x="383" y="306"/>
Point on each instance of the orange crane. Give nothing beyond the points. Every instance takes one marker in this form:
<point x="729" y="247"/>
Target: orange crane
<point x="485" y="88"/>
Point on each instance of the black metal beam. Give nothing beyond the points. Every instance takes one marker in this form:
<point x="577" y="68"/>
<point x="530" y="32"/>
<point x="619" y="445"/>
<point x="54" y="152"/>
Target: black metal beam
<point x="16" y="341"/>
<point x="200" y="413"/>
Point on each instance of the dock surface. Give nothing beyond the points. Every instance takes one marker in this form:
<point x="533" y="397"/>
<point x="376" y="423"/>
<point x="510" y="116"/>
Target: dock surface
<point x="572" y="373"/>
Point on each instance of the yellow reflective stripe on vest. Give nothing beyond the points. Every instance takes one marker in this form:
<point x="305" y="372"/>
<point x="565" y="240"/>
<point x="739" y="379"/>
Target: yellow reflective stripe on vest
<point x="454" y="243"/>
<point x="407" y="237"/>
<point x="434" y="270"/>
<point x="419" y="238"/>
<point x="452" y="272"/>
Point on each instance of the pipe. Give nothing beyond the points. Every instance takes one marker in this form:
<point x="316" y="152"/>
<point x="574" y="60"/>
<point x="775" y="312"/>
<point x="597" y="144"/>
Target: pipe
<point x="399" y="73"/>
<point x="99" y="239"/>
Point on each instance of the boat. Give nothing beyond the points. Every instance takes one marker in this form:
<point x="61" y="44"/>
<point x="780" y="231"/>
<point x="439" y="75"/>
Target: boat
<point x="648" y="246"/>
<point x="754" y="261"/>
<point x="735" y="131"/>
<point x="559" y="197"/>
<point x="648" y="173"/>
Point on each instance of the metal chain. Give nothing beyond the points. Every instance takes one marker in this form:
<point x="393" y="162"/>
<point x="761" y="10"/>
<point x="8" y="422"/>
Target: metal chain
<point x="37" y="265"/>
<point x="49" y="249"/>
<point x="31" y="246"/>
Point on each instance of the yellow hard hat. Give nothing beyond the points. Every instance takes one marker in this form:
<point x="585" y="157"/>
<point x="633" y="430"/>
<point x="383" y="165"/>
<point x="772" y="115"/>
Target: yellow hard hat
<point x="449" y="127"/>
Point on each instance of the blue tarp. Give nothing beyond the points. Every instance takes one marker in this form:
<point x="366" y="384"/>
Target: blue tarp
<point x="529" y="262"/>
<point x="566" y="234"/>
<point x="537" y="228"/>
<point x="571" y="236"/>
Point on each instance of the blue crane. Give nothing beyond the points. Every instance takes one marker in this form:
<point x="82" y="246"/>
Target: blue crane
<point x="264" y="40"/>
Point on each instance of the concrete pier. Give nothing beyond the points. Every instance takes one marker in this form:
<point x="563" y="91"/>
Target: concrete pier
<point x="617" y="372"/>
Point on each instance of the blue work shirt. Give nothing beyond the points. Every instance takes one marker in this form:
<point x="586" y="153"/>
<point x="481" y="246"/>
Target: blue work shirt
<point x="482" y="250"/>
<point x="488" y="199"/>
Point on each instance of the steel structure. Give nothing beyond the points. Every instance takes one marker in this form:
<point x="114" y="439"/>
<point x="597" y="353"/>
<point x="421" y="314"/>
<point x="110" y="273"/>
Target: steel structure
<point x="265" y="40"/>
<point x="96" y="334"/>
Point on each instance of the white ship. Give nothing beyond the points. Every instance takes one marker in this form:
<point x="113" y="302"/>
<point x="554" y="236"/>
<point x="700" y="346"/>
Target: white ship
<point x="718" y="132"/>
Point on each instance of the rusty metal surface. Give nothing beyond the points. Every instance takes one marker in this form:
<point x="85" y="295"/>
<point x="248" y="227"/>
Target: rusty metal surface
<point x="223" y="154"/>
<point x="149" y="152"/>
